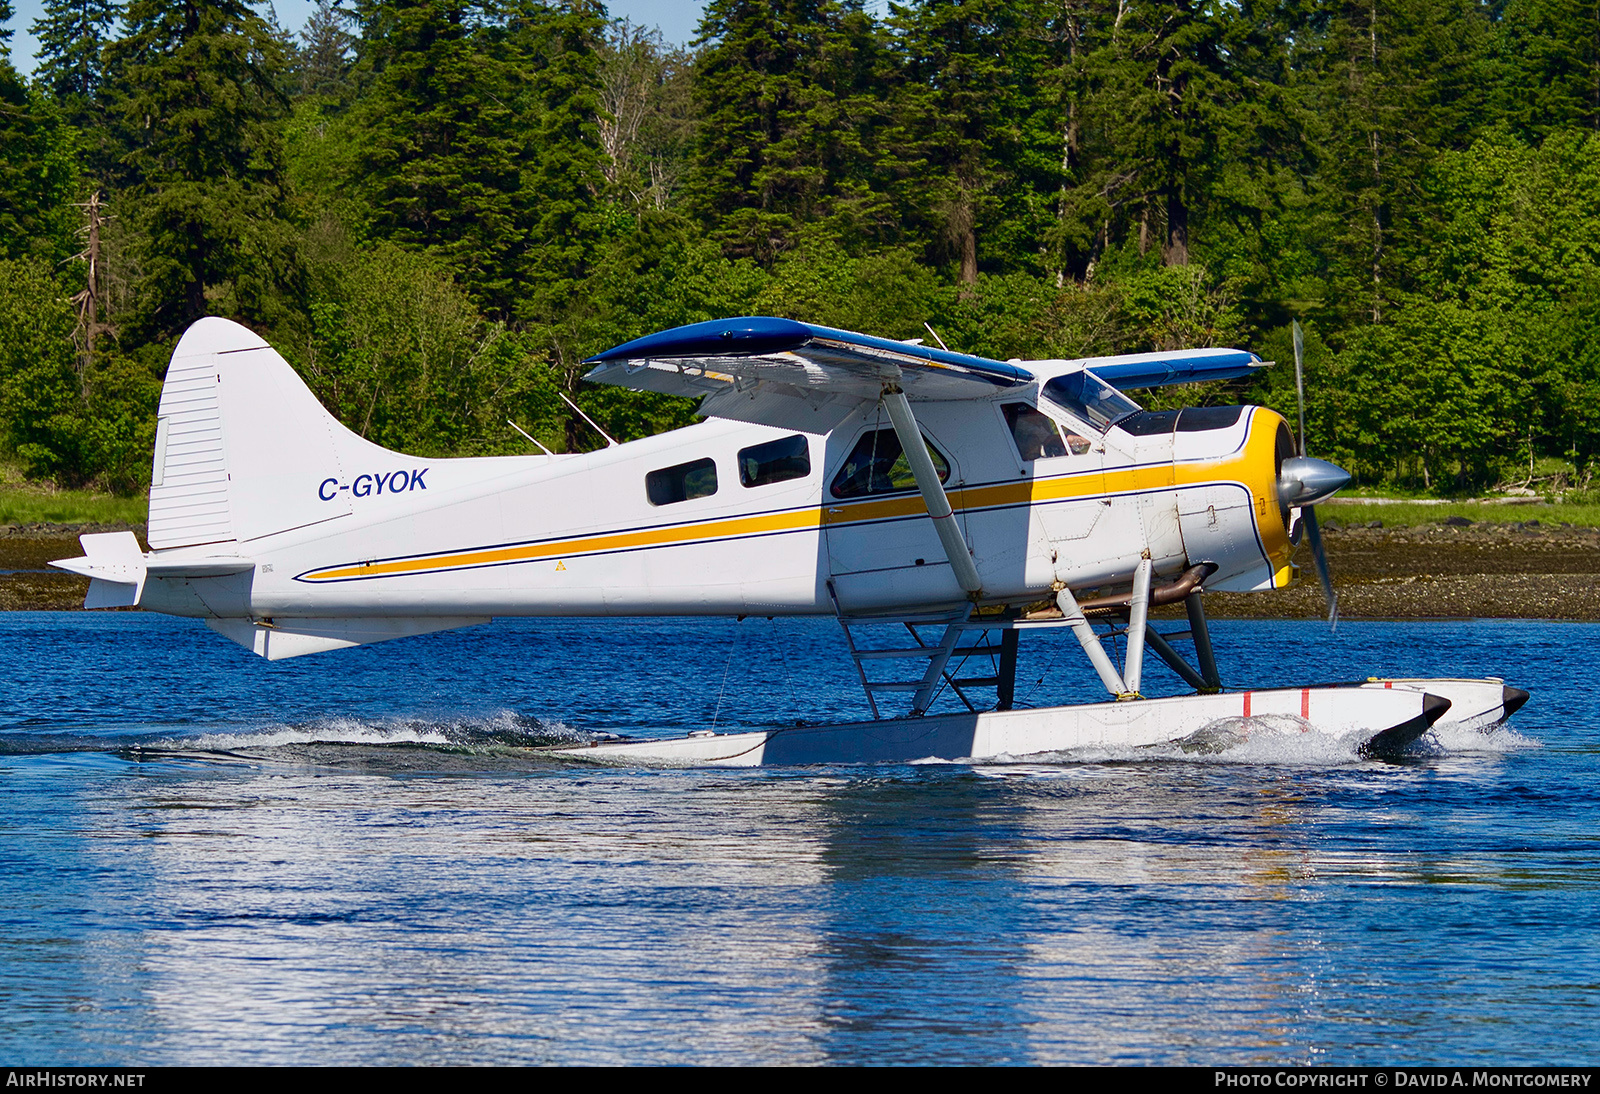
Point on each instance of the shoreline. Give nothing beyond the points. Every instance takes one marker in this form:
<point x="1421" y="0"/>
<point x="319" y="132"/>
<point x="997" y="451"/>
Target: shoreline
<point x="1446" y="570"/>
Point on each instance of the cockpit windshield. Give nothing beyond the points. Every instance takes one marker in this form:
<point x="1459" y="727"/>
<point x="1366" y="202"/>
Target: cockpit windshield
<point x="1090" y="398"/>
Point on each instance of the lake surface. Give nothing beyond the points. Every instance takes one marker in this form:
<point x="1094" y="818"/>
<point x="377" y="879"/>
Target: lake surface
<point x="354" y="858"/>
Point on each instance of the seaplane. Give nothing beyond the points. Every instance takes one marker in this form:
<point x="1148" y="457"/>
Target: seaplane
<point x="937" y="504"/>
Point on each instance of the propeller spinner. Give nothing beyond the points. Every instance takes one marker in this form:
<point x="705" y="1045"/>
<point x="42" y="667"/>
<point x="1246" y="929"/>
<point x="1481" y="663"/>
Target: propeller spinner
<point x="1305" y="481"/>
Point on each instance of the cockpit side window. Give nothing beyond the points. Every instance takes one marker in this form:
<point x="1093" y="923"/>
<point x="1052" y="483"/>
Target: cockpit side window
<point x="1091" y="398"/>
<point x="1035" y="435"/>
<point x="878" y="465"/>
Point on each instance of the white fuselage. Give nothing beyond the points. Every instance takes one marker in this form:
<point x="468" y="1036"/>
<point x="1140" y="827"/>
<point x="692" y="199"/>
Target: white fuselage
<point x="580" y="534"/>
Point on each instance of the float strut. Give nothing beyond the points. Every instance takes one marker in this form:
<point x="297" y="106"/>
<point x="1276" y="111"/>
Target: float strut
<point x="936" y="663"/>
<point x="1202" y="642"/>
<point x="1138" y="619"/>
<point x="1174" y="659"/>
<point x="1072" y="615"/>
<point x="1005" y="687"/>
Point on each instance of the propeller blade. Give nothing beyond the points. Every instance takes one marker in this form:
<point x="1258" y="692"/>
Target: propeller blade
<point x="1312" y="480"/>
<point x="1319" y="555"/>
<point x="1300" y="383"/>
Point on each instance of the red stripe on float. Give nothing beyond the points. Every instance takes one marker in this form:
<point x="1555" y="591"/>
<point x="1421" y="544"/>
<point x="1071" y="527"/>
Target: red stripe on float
<point x="1305" y="703"/>
<point x="1247" y="704"/>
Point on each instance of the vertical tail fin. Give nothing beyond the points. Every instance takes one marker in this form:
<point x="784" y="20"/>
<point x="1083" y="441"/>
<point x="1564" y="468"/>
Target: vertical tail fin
<point x="241" y="444"/>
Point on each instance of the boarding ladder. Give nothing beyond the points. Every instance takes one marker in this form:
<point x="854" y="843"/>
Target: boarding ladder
<point x="940" y="645"/>
<point x="943" y="642"/>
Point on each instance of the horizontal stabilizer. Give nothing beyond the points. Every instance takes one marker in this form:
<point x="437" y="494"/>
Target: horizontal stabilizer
<point x="117" y="569"/>
<point x="283" y="638"/>
<point x="780" y="372"/>
<point x="114" y="565"/>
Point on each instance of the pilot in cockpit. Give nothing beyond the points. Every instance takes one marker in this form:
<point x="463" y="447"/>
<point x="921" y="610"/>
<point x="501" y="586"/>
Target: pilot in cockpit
<point x="1036" y="435"/>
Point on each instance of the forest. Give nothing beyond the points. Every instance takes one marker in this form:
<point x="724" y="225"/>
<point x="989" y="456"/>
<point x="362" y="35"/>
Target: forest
<point x="436" y="210"/>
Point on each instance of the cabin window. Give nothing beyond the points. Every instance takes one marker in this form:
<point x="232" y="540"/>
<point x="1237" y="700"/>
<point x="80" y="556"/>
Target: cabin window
<point x="685" y="482"/>
<point x="775" y="461"/>
<point x="1089" y="397"/>
<point x="1035" y="435"/>
<point x="877" y="465"/>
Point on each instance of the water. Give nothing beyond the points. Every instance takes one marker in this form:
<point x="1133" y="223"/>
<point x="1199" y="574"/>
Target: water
<point x="353" y="858"/>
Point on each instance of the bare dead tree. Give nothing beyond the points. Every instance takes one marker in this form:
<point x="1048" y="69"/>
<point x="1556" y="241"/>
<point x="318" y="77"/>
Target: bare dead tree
<point x="628" y="73"/>
<point x="88" y="301"/>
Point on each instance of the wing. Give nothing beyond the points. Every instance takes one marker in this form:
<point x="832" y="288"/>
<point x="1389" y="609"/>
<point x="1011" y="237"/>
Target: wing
<point x="794" y="375"/>
<point x="1190" y="366"/>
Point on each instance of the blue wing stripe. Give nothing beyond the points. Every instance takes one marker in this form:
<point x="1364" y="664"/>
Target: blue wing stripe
<point x="753" y="336"/>
<point x="1178" y="368"/>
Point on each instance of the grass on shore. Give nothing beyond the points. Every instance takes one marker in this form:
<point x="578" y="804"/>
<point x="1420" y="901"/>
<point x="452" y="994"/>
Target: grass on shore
<point x="29" y="505"/>
<point x="1411" y="514"/>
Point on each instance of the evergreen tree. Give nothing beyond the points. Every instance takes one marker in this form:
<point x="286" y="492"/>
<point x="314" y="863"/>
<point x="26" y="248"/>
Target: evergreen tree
<point x="441" y="159"/>
<point x="1551" y="53"/>
<point x="481" y="144"/>
<point x="1157" y="92"/>
<point x="1398" y="82"/>
<point x="38" y="170"/>
<point x="325" y="51"/>
<point x="288" y="51"/>
<point x="197" y="94"/>
<point x="1075" y="239"/>
<point x="72" y="35"/>
<point x="750" y="84"/>
<point x="859" y="77"/>
<point x="790" y="93"/>
<point x="562" y="176"/>
<point x="983" y="151"/>
<point x="557" y="52"/>
<point x="1254" y="211"/>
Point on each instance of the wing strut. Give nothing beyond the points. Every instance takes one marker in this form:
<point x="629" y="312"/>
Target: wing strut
<point x="944" y="521"/>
